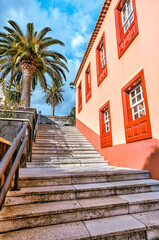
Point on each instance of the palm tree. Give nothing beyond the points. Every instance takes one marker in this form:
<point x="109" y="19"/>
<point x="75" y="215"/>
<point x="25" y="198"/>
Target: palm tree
<point x="54" y="95"/>
<point x="27" y="59"/>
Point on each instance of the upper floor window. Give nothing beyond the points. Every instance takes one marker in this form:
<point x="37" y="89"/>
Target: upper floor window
<point x="127" y="14"/>
<point x="102" y="55"/>
<point x="80" y="97"/>
<point x="126" y="24"/>
<point x="88" y="82"/>
<point x="101" y="60"/>
<point x="135" y="107"/>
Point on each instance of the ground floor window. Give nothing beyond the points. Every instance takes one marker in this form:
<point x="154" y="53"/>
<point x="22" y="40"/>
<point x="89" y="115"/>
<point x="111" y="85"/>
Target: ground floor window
<point x="135" y="109"/>
<point x="105" y="125"/>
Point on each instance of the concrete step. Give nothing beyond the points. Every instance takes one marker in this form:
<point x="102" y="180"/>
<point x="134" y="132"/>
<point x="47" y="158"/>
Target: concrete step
<point x="151" y="220"/>
<point x="64" y="151"/>
<point x="61" y="137"/>
<point x="67" y="164"/>
<point x="117" y="227"/>
<point x="52" y="179"/>
<point x="56" y="157"/>
<point x="43" y="214"/>
<point x="52" y="159"/>
<point x="60" y="149"/>
<point x="81" y="191"/>
<point x="61" y="144"/>
<point x="51" y="143"/>
<point x="142" y="202"/>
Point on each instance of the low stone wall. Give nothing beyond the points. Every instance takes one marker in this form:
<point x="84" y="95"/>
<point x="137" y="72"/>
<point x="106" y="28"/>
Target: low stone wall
<point x="9" y="126"/>
<point x="24" y="115"/>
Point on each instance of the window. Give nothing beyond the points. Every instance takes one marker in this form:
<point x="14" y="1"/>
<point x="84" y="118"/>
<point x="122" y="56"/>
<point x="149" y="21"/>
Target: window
<point x="106" y="116"/>
<point x="105" y="125"/>
<point x="102" y="55"/>
<point x="101" y="60"/>
<point x="135" y="107"/>
<point x="127" y="15"/>
<point x="88" y="82"/>
<point x="137" y="102"/>
<point x="80" y="97"/>
<point x="126" y="24"/>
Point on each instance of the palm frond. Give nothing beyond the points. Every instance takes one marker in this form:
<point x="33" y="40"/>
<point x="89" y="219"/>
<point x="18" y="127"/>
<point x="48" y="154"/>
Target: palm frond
<point x="43" y="32"/>
<point x="50" y="42"/>
<point x="30" y="31"/>
<point x="16" y="27"/>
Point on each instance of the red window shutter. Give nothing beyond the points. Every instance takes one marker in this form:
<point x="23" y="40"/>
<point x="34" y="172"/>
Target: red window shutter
<point x="101" y="72"/>
<point x="105" y="137"/>
<point x="140" y="128"/>
<point x="125" y="39"/>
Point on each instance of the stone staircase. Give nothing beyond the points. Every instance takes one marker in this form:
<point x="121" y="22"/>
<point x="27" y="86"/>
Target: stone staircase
<point x="66" y="196"/>
<point x="63" y="146"/>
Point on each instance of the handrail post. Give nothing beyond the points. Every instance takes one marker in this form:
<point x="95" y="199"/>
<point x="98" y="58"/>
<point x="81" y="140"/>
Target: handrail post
<point x="17" y="171"/>
<point x="36" y="126"/>
<point x="31" y="142"/>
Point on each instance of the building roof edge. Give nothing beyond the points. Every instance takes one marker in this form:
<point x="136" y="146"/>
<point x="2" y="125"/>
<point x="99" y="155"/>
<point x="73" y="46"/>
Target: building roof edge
<point x="93" y="37"/>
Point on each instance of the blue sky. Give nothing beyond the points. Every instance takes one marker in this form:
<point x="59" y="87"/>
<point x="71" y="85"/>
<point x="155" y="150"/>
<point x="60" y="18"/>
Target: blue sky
<point x="71" y="22"/>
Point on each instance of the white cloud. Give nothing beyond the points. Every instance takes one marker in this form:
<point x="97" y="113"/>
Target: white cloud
<point x="77" y="41"/>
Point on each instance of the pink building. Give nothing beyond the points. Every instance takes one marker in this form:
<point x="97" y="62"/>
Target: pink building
<point x="117" y="85"/>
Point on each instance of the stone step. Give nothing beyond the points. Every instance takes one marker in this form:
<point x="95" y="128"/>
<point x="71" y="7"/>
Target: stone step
<point x="81" y="191"/>
<point x="117" y="227"/>
<point x="78" y="157"/>
<point x="151" y="220"/>
<point x="61" y="149"/>
<point x="43" y="214"/>
<point x="62" y="144"/>
<point x="61" y="140"/>
<point x="52" y="179"/>
<point x="66" y="164"/>
<point x="73" y="136"/>
<point x="64" y="151"/>
<point x="142" y="202"/>
<point x="52" y="160"/>
<point x="57" y="157"/>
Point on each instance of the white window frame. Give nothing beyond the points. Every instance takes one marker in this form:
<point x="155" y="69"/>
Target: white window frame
<point x="137" y="102"/>
<point x="106" y="118"/>
<point x="127" y="15"/>
<point x="102" y="55"/>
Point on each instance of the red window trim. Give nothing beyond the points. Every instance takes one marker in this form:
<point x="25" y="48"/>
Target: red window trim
<point x="87" y="87"/>
<point x="105" y="137"/>
<point x="101" y="72"/>
<point x="80" y="96"/>
<point x="140" y="128"/>
<point x="125" y="39"/>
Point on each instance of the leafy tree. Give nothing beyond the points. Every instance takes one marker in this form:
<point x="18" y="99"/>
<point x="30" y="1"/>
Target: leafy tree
<point x="27" y="58"/>
<point x="54" y="95"/>
<point x="11" y="101"/>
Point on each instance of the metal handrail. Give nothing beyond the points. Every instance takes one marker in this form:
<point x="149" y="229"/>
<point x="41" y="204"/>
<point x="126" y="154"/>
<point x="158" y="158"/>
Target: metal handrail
<point x="7" y="158"/>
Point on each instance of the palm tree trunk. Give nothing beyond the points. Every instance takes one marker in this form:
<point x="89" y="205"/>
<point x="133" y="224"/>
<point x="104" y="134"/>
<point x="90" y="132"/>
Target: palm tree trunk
<point x="26" y="87"/>
<point x="53" y="110"/>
